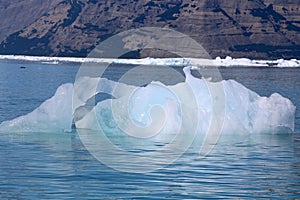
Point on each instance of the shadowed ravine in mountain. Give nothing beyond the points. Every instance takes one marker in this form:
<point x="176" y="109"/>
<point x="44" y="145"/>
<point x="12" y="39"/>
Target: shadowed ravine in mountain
<point x="265" y="29"/>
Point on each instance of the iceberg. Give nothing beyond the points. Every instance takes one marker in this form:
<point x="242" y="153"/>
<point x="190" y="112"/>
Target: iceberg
<point x="156" y="110"/>
<point x="53" y="115"/>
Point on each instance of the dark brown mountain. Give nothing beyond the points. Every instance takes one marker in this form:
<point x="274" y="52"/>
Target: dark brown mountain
<point x="17" y="14"/>
<point x="265" y="29"/>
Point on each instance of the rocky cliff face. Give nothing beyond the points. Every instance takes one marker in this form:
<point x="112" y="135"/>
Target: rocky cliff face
<point x="242" y="28"/>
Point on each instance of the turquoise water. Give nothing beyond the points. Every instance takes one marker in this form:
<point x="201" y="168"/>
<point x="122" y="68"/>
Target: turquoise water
<point x="57" y="165"/>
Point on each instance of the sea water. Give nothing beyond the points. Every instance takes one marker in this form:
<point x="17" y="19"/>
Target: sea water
<point x="57" y="165"/>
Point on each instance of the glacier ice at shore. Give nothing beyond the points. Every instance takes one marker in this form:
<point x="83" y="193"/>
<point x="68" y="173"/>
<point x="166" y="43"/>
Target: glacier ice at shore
<point x="244" y="110"/>
<point x="217" y="62"/>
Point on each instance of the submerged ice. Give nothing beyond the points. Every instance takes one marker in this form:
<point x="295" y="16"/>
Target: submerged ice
<point x="157" y="109"/>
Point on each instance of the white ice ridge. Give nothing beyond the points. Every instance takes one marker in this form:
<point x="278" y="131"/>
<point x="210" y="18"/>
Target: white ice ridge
<point x="245" y="110"/>
<point x="218" y="62"/>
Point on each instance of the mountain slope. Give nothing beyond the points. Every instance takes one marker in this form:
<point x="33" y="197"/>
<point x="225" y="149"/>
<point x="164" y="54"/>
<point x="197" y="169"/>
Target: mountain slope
<point x="241" y="28"/>
<point x="17" y="14"/>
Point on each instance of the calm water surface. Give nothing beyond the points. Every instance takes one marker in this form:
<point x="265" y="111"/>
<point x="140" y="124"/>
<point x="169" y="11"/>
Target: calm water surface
<point x="57" y="165"/>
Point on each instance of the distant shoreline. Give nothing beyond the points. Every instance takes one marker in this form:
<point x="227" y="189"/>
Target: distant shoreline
<point x="193" y="62"/>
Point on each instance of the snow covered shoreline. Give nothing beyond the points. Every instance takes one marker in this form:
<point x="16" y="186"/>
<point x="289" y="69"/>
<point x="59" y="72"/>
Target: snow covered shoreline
<point x="195" y="62"/>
